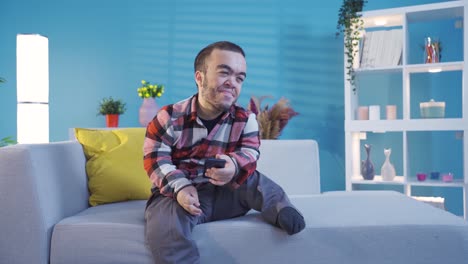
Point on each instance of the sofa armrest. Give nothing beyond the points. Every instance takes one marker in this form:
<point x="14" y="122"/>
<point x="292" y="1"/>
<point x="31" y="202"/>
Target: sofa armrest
<point x="40" y="184"/>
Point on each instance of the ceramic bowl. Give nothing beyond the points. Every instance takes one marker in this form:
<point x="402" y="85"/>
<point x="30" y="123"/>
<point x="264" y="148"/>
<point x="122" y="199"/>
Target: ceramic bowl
<point x="421" y="176"/>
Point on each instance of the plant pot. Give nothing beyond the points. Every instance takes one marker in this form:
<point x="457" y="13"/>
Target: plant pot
<point x="148" y="110"/>
<point x="112" y="120"/>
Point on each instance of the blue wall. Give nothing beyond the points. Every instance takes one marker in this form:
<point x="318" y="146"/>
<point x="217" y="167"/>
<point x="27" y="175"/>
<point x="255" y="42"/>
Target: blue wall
<point x="104" y="48"/>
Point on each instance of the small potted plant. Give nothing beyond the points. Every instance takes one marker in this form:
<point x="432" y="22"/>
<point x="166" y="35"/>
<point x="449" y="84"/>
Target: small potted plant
<point x="111" y="109"/>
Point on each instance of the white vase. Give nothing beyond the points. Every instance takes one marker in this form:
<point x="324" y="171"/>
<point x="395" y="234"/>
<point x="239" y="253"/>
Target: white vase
<point x="388" y="170"/>
<point x="148" y="110"/>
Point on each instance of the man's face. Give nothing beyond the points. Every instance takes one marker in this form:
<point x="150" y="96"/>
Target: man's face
<point x="221" y="84"/>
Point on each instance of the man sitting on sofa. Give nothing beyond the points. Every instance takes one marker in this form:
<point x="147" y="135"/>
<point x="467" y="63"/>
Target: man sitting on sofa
<point x="181" y="138"/>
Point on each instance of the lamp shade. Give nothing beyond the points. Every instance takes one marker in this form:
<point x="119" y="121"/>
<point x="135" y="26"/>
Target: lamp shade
<point x="32" y="79"/>
<point x="32" y="68"/>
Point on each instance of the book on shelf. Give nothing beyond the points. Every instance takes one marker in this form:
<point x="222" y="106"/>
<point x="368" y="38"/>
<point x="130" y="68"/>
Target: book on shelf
<point x="381" y="48"/>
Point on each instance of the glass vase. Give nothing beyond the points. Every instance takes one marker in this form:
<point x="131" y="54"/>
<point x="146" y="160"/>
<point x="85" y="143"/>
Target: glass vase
<point x="148" y="110"/>
<point x="367" y="167"/>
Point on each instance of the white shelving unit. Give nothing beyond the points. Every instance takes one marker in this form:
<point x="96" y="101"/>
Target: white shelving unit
<point x="406" y="124"/>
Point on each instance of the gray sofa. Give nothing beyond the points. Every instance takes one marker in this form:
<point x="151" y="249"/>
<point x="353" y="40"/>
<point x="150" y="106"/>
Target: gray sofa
<point x="46" y="218"/>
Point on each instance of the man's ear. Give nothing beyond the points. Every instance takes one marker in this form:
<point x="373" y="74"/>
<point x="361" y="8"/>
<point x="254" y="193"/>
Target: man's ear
<point x="199" y="78"/>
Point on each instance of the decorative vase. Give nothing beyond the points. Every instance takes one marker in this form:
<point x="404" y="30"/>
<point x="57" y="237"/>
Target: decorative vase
<point x="148" y="110"/>
<point x="112" y="120"/>
<point x="388" y="170"/>
<point x="367" y="167"/>
<point x="431" y="50"/>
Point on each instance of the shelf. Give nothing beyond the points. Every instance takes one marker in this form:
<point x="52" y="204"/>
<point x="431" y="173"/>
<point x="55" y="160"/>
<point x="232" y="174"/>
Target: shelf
<point x="360" y="71"/>
<point x="415" y="68"/>
<point x="438" y="67"/>
<point x="383" y="19"/>
<point x="437" y="183"/>
<point x="395" y="16"/>
<point x="439" y="11"/>
<point x="399" y="180"/>
<point x="432" y="124"/>
<point x="425" y="144"/>
<point x="378" y="180"/>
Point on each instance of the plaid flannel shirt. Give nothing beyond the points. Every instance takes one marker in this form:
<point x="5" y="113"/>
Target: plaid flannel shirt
<point x="177" y="143"/>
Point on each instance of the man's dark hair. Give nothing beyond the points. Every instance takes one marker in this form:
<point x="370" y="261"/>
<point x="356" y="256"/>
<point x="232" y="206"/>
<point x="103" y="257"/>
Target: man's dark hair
<point x="199" y="64"/>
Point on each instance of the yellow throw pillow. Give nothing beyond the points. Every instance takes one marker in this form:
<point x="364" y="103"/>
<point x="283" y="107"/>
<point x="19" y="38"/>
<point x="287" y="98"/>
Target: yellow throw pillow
<point x="114" y="164"/>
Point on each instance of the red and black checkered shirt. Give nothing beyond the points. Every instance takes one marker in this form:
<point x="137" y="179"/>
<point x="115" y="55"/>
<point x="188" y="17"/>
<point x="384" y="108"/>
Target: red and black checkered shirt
<point x="177" y="143"/>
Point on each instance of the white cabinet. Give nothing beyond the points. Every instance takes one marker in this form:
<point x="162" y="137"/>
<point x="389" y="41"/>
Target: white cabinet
<point x="419" y="145"/>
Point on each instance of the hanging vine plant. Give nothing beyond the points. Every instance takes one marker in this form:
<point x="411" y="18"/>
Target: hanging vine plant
<point x="350" y="24"/>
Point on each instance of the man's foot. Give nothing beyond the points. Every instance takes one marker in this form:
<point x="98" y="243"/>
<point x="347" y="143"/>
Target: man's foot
<point x="290" y="220"/>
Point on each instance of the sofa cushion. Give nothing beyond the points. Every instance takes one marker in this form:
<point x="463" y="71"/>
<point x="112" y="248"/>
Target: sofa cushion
<point x="114" y="164"/>
<point x="342" y="227"/>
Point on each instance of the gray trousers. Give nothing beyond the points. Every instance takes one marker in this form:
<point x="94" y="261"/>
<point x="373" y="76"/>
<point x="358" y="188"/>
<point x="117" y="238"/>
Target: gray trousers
<point x="169" y="227"/>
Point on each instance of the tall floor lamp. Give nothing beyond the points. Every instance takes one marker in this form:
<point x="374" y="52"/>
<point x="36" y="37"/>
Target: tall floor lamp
<point x="32" y="74"/>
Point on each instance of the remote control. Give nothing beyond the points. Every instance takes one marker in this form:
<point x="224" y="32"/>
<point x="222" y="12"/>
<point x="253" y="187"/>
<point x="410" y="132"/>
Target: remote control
<point x="214" y="163"/>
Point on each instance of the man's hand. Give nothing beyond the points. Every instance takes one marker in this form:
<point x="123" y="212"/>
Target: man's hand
<point x="221" y="176"/>
<point x="188" y="199"/>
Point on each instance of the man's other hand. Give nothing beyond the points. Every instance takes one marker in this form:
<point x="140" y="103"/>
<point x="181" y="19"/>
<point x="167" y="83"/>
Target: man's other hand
<point x="188" y="199"/>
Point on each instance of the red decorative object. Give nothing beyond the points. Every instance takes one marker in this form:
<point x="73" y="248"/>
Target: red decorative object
<point x="112" y="120"/>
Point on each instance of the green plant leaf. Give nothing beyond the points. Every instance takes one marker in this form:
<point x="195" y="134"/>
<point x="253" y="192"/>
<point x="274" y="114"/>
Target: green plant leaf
<point x="350" y="23"/>
<point x="7" y="141"/>
<point x="111" y="106"/>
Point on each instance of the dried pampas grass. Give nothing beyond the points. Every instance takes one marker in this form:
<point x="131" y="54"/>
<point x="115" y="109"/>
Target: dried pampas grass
<point x="272" y="120"/>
